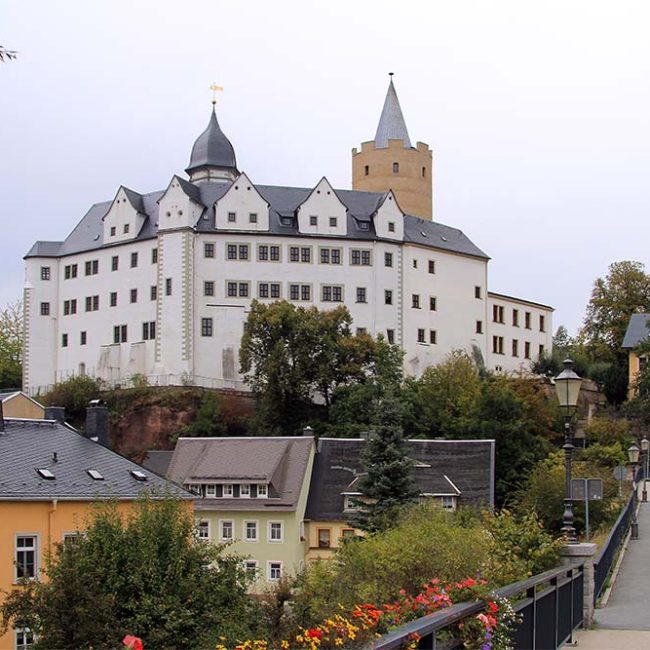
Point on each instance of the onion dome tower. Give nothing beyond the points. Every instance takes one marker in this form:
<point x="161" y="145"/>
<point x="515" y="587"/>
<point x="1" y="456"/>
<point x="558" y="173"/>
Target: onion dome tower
<point x="213" y="157"/>
<point x="391" y="162"/>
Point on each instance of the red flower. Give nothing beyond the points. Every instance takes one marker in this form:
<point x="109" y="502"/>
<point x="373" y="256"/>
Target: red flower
<point x="493" y="607"/>
<point x="314" y="633"/>
<point x="133" y="642"/>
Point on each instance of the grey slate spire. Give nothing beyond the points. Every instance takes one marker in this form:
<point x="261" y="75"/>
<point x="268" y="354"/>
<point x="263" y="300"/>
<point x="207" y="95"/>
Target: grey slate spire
<point x="212" y="148"/>
<point x="391" y="123"/>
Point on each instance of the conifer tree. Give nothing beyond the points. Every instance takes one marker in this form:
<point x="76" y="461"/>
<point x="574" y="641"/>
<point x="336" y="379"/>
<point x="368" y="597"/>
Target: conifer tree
<point x="386" y="484"/>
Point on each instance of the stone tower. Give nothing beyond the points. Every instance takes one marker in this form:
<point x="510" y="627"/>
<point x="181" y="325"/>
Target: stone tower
<point x="390" y="162"/>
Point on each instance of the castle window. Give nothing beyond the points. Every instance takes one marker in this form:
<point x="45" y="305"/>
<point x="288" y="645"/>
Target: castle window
<point x="527" y="350"/>
<point x="208" y="288"/>
<point x="115" y="260"/>
<point x="149" y="330"/>
<point x="366" y="170"/>
<point x="83" y="337"/>
<point x="388" y="259"/>
<point x="154" y="256"/>
<point x="361" y="294"/>
<point x="388" y="297"/>
<point x="432" y="303"/>
<point x="45" y="309"/>
<point x="421" y="334"/>
<point x="153" y="292"/>
<point x="168" y="286"/>
<point x="126" y="228"/>
<point x="390" y="336"/>
<point x="433" y="337"/>
<point x="112" y="231"/>
<point x="64" y="340"/>
<point x="479" y="327"/>
<point x="515" y="348"/>
<point x="333" y="222"/>
<point x="134" y="295"/>
<point x="113" y="300"/>
<point x="332" y="293"/>
<point x="45" y="272"/>
<point x="232" y="217"/>
<point x="432" y="266"/>
<point x="208" y="249"/>
<point x="415" y="301"/>
<point x="206" y="327"/>
<point x="395" y="168"/>
<point x="424" y="172"/>
<point x="134" y="260"/>
<point x="477" y="292"/>
<point x="252" y="217"/>
<point x="313" y="220"/>
<point x="119" y="334"/>
<point x="515" y="318"/>
<point x="391" y="226"/>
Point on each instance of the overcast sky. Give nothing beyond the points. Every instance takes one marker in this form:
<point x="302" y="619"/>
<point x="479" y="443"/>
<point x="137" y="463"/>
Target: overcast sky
<point x="538" y="114"/>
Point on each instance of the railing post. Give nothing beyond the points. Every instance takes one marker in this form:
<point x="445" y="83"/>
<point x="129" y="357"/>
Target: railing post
<point x="583" y="553"/>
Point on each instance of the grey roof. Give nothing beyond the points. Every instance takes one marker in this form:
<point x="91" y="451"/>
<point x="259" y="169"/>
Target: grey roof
<point x="391" y="123"/>
<point x="135" y="199"/>
<point x="283" y="202"/>
<point x="157" y="461"/>
<point x="467" y="465"/>
<point x="9" y="393"/>
<point x="29" y="445"/>
<point x="212" y="148"/>
<point x="637" y="330"/>
<point x="280" y="462"/>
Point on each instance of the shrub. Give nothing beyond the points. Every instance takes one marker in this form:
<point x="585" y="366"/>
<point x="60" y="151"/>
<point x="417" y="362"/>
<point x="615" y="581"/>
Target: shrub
<point x="74" y="394"/>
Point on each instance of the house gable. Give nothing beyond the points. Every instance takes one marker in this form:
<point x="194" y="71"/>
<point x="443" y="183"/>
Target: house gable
<point x="322" y="212"/>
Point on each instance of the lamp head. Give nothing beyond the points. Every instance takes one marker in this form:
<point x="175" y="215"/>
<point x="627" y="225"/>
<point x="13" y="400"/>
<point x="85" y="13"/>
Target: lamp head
<point x="567" y="388"/>
<point x="633" y="453"/>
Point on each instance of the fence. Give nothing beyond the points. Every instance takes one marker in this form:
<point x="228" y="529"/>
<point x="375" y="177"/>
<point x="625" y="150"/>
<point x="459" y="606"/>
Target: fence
<point x="550" y="605"/>
<point x="605" y="558"/>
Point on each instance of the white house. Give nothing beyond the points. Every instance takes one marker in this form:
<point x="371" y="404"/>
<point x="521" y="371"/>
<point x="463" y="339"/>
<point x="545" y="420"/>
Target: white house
<point x="160" y="283"/>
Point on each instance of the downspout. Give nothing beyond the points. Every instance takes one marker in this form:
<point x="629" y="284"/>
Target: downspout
<point x="50" y="515"/>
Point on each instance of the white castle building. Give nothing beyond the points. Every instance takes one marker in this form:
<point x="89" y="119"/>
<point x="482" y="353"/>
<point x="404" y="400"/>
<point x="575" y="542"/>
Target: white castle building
<point x="160" y="283"/>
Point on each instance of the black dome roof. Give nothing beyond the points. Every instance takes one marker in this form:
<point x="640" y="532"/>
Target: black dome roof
<point x="212" y="148"/>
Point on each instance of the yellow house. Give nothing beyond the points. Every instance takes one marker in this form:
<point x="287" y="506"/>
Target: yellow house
<point x="50" y="477"/>
<point x="15" y="404"/>
<point x="451" y="472"/>
<point x="637" y="331"/>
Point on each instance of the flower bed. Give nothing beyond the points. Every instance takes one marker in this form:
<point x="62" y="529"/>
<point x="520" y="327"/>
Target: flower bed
<point x="489" y="630"/>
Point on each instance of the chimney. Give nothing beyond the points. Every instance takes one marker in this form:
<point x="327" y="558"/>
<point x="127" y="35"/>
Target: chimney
<point x="97" y="422"/>
<point x="56" y="413"/>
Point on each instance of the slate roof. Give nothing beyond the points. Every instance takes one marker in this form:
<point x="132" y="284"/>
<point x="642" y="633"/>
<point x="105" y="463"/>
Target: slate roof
<point x="283" y="202"/>
<point x="637" y="330"/>
<point x="157" y="461"/>
<point x="29" y="445"/>
<point x="279" y="461"/>
<point x="6" y="394"/>
<point x="456" y="466"/>
<point x="391" y="123"/>
<point x="212" y="148"/>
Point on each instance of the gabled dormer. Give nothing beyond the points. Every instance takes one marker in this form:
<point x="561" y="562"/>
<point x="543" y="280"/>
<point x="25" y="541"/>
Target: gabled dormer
<point x="322" y="212"/>
<point x="125" y="217"/>
<point x="389" y="218"/>
<point x="242" y="207"/>
<point x="180" y="206"/>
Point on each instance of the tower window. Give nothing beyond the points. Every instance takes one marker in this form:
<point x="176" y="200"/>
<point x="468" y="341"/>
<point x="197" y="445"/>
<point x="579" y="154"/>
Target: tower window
<point x="424" y="172"/>
<point x="395" y="168"/>
<point x="366" y="170"/>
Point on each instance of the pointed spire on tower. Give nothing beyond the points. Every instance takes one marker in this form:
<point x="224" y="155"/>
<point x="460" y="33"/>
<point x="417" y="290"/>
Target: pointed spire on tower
<point x="391" y="123"/>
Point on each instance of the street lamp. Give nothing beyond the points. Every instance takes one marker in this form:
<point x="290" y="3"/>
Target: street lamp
<point x="633" y="456"/>
<point x="567" y="388"/>
<point x="645" y="447"/>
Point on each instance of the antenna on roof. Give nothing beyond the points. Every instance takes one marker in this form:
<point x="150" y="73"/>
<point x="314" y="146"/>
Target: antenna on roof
<point x="390" y="74"/>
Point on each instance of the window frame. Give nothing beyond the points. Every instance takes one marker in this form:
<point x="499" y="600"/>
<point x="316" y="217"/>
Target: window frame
<point x="256" y="524"/>
<point x="35" y="549"/>
<point x="269" y="532"/>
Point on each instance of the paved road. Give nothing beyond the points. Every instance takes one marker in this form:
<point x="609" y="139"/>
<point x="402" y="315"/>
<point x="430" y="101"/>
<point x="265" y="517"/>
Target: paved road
<point x="627" y="608"/>
<point x="624" y="624"/>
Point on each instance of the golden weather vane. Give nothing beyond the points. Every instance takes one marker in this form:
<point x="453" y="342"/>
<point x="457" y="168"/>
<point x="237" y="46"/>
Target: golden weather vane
<point x="214" y="88"/>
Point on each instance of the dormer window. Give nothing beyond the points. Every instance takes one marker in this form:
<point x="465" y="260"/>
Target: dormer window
<point x="287" y="221"/>
<point x="232" y="217"/>
<point x="364" y="225"/>
<point x="391" y="226"/>
<point x="313" y="220"/>
<point x="252" y="217"/>
<point x="126" y="228"/>
<point x="333" y="221"/>
<point x="113" y="231"/>
<point x="211" y="491"/>
<point x="262" y="491"/>
<point x="350" y="504"/>
<point x="227" y="491"/>
<point x="244" y="491"/>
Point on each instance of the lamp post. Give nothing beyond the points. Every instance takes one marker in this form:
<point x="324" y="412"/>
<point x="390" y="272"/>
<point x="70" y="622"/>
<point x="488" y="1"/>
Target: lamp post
<point x="633" y="457"/>
<point x="645" y="447"/>
<point x="567" y="388"/>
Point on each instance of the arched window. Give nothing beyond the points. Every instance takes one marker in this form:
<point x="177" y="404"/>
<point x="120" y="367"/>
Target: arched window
<point x="395" y="168"/>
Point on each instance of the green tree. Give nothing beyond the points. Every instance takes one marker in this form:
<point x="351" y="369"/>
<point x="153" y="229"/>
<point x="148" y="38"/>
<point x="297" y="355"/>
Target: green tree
<point x="289" y="355"/>
<point x="73" y="394"/>
<point x="145" y="574"/>
<point x="11" y="345"/>
<point x="386" y="485"/>
<point x="624" y="291"/>
<point x="208" y="421"/>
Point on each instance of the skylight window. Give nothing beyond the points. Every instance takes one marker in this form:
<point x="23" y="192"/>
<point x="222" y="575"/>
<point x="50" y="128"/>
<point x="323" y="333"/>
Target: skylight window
<point x="45" y="473"/>
<point x="138" y="475"/>
<point x="95" y="475"/>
